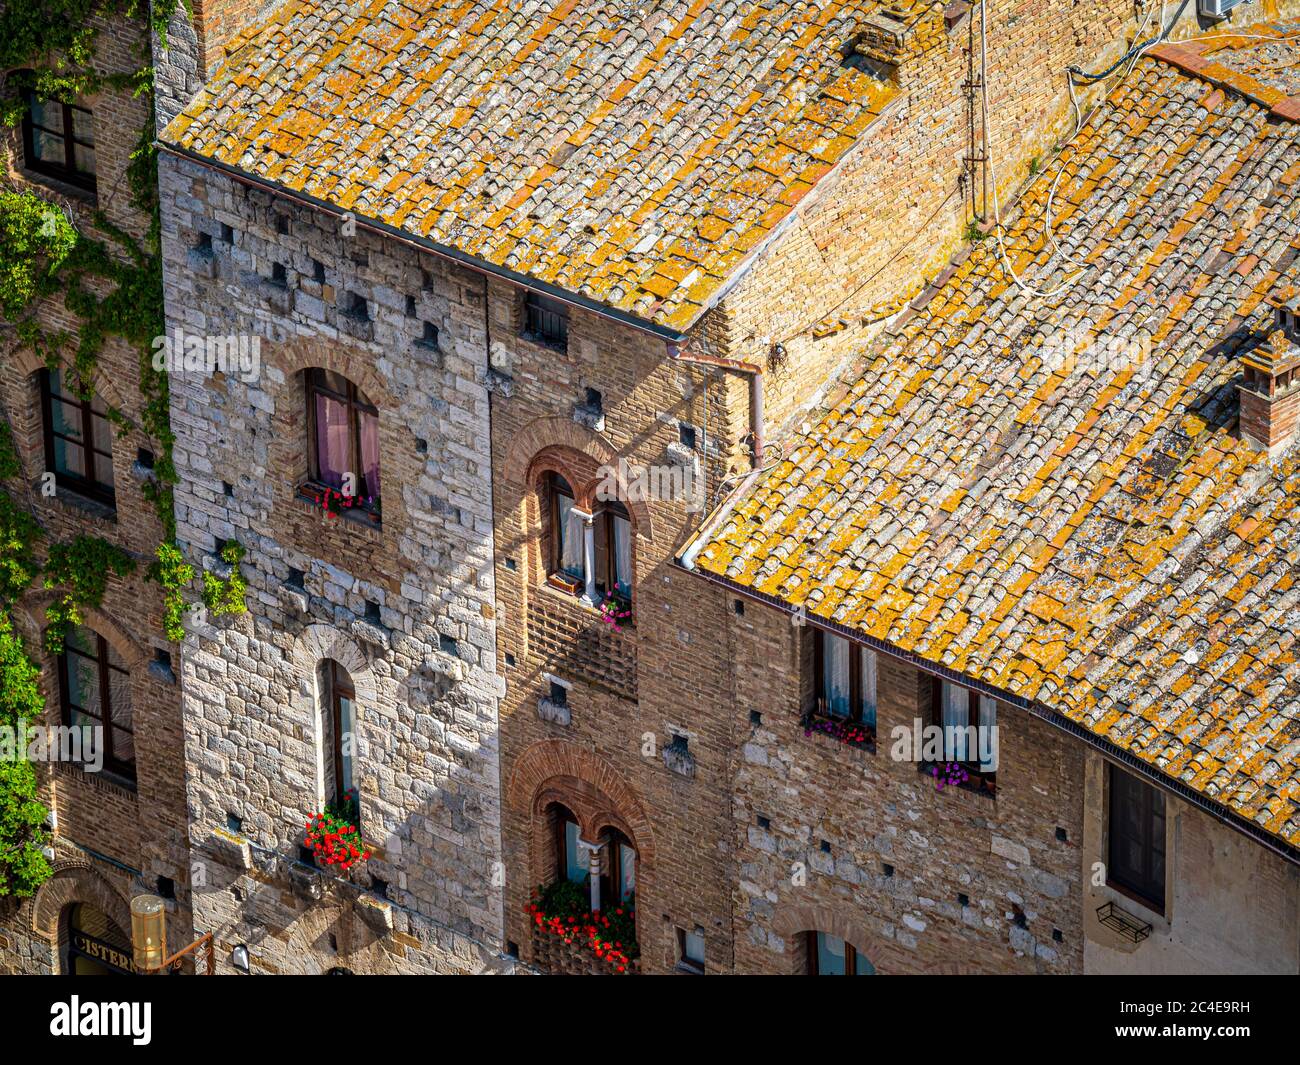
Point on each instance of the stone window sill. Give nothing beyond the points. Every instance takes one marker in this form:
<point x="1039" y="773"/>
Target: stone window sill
<point x="311" y="495"/>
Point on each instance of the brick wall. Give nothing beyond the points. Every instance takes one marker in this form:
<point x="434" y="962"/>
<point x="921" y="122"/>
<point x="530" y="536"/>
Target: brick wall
<point x="895" y="208"/>
<point x="112" y="840"/>
<point x="607" y="763"/>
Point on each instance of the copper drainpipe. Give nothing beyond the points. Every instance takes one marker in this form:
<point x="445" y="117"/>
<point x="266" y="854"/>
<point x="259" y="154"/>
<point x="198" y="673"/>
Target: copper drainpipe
<point x="682" y="353"/>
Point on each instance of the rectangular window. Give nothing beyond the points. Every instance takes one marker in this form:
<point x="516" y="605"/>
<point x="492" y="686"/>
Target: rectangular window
<point x="690" y="949"/>
<point x="546" y="321"/>
<point x="78" y="440"/>
<point x="1136" y="847"/>
<point x="95" y="692"/>
<point x="969" y="723"/>
<point x="344" y="437"/>
<point x="846" y="679"/>
<point x="59" y="141"/>
<point x="968" y="729"/>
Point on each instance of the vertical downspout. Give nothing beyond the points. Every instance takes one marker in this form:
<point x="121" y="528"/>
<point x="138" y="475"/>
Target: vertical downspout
<point x="677" y="353"/>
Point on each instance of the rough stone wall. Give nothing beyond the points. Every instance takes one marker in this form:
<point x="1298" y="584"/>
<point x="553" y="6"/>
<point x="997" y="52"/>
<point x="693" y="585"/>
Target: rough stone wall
<point x="131" y="835"/>
<point x="818" y="822"/>
<point x="405" y="605"/>
<point x="606" y="762"/>
<point x="1231" y="907"/>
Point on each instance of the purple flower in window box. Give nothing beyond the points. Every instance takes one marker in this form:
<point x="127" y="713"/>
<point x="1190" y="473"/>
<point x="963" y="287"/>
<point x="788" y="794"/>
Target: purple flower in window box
<point x="950" y="773"/>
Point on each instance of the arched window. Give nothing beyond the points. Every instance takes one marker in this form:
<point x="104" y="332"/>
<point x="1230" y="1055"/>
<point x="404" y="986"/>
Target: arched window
<point x="95" y="692"/>
<point x="618" y="875"/>
<point x="78" y="440"/>
<point x="575" y="540"/>
<point x="338" y="731"/>
<point x="829" y="955"/>
<point x="564" y="534"/>
<point x="570" y="858"/>
<point x="344" y="438"/>
<point x="59" y="140"/>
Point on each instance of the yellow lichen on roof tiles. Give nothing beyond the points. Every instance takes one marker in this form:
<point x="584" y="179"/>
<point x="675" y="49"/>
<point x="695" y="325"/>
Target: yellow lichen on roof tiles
<point x="332" y="100"/>
<point x="1093" y="533"/>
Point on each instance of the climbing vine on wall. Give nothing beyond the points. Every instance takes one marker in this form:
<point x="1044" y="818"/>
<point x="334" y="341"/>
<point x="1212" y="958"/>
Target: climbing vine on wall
<point x="112" y="283"/>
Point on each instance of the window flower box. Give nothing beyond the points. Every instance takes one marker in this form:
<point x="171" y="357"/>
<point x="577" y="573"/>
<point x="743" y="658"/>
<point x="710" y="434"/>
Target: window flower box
<point x="559" y="912"/>
<point x="565" y="583"/>
<point x="334" y="835"/>
<point x="841" y="729"/>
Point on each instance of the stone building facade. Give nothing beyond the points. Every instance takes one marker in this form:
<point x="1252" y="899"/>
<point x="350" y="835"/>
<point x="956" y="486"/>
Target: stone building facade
<point x="401" y="598"/>
<point x="534" y="679"/>
<point x="120" y="831"/>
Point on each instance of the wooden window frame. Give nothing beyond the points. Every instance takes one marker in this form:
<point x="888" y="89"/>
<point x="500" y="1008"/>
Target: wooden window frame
<point x="1144" y="888"/>
<point x="546" y="321"/>
<point x="850" y="955"/>
<point x="979" y="779"/>
<point x="119" y="768"/>
<point x="856" y="701"/>
<point x="606" y="566"/>
<point x="612" y="868"/>
<point x="66" y="171"/>
<point x="688" y="964"/>
<point x="556" y="487"/>
<point x="88" y="487"/>
<point x="355" y="406"/>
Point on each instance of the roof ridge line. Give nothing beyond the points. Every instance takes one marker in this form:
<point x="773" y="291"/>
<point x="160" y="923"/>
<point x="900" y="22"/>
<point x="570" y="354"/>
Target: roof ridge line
<point x="1192" y="57"/>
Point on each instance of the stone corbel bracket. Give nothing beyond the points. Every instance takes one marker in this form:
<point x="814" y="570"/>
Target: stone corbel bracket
<point x="232" y="849"/>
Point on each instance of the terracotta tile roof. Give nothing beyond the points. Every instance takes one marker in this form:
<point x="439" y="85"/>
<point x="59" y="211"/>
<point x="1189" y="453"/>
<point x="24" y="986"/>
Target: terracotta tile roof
<point x="637" y="154"/>
<point x="1094" y="538"/>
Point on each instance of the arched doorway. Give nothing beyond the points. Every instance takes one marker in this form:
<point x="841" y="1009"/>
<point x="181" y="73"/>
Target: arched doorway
<point x="95" y="946"/>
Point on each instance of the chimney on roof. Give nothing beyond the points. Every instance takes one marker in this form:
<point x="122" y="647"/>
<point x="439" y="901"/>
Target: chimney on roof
<point x="1270" y="392"/>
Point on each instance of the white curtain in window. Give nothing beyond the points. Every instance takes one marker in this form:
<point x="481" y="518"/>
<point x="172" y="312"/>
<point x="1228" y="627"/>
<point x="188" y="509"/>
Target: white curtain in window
<point x="868" y="686"/>
<point x="835" y="674"/>
<point x="627" y="866"/>
<point x="831" y="959"/>
<point x="570" y="539"/>
<point x="622" y="555"/>
<point x="956" y="717"/>
<point x="988" y="733"/>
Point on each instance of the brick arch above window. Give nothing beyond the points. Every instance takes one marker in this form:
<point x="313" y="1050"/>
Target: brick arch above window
<point x="30" y="363"/>
<point x="295" y="356"/>
<point x="75" y="881"/>
<point x="552" y="771"/>
<point x="32" y="626"/>
<point x="836" y="919"/>
<point x="561" y="444"/>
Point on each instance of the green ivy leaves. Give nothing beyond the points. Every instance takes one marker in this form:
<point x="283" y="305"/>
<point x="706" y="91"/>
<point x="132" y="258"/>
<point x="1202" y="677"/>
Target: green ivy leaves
<point x="82" y="569"/>
<point x="226" y="596"/>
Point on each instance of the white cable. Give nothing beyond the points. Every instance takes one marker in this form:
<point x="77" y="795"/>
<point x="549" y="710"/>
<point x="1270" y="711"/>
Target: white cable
<point x="997" y="206"/>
